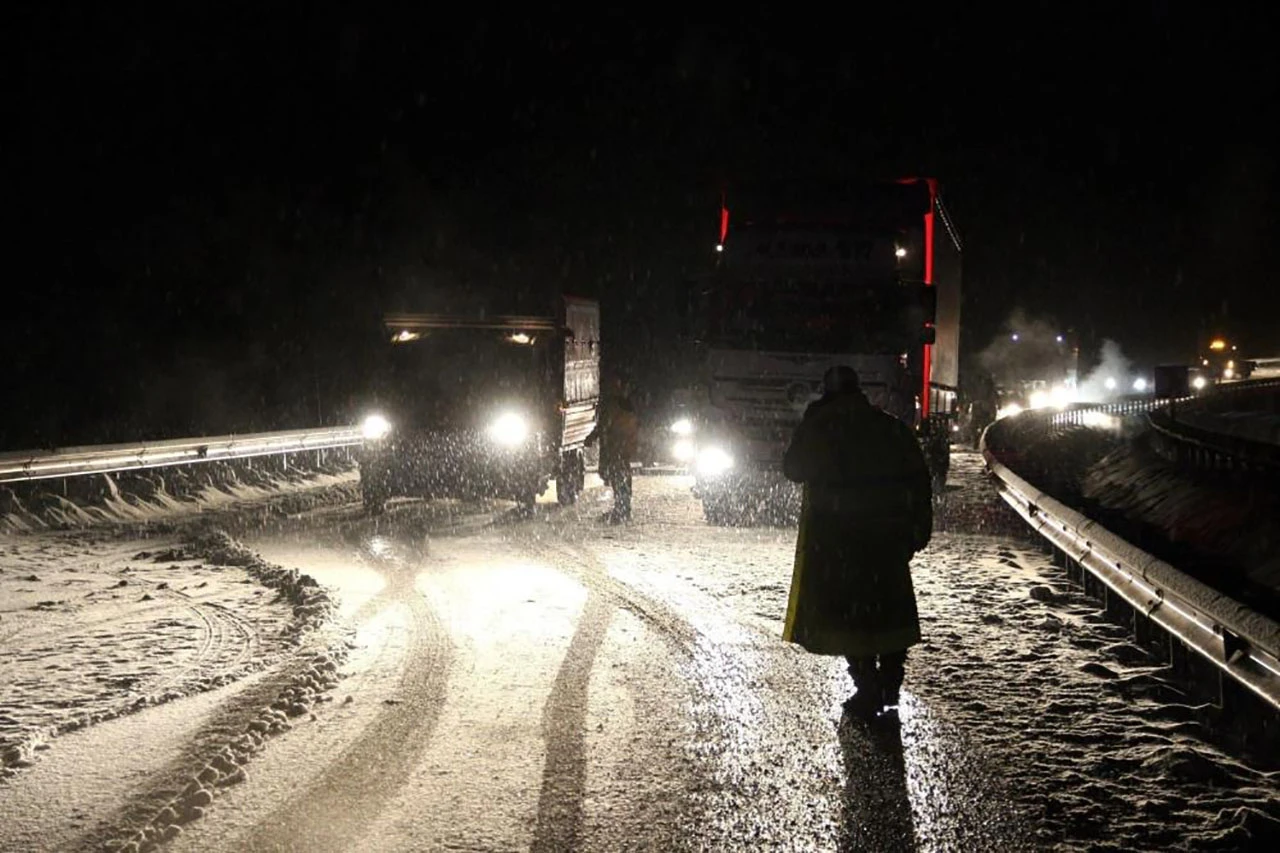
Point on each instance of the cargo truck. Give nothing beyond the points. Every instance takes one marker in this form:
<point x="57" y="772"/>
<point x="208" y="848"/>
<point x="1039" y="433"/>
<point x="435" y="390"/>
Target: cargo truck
<point x="473" y="406"/>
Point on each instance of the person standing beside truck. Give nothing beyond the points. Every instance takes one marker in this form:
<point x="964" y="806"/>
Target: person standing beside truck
<point x="618" y="433"/>
<point x="867" y="508"/>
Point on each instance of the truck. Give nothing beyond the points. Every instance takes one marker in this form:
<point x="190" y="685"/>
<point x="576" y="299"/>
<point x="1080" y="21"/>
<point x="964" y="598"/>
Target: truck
<point x="808" y="277"/>
<point x="481" y="406"/>
<point x="1220" y="360"/>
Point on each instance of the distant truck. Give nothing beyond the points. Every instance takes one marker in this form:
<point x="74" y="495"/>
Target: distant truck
<point x="477" y="406"/>
<point x="807" y="278"/>
<point x="1220" y="360"/>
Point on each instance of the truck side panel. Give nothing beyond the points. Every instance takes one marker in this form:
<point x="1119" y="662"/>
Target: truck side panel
<point x="581" y="369"/>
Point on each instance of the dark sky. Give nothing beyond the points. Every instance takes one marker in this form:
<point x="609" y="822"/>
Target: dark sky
<point x="235" y="179"/>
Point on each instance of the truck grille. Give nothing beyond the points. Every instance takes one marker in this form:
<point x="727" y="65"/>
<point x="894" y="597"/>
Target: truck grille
<point x="763" y="412"/>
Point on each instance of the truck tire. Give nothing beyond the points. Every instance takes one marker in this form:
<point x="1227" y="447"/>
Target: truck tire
<point x="571" y="479"/>
<point x="374" y="499"/>
<point x="527" y="498"/>
<point x="940" y="467"/>
<point x="718" y="514"/>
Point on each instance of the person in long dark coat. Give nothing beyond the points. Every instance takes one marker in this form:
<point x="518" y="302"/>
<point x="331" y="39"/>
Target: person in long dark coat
<point x="618" y="434"/>
<point x="868" y="507"/>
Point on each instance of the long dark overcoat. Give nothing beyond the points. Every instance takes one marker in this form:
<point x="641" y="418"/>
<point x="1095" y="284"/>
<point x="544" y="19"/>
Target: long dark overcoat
<point x="868" y="508"/>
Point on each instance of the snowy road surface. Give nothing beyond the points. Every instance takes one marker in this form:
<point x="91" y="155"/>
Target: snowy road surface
<point x="554" y="683"/>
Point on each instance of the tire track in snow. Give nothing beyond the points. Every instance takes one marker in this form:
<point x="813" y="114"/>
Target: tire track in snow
<point x="564" y="722"/>
<point x="333" y="811"/>
<point x="563" y="793"/>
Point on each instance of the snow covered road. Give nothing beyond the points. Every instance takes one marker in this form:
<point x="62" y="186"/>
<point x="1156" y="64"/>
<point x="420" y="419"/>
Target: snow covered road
<point x="554" y="683"/>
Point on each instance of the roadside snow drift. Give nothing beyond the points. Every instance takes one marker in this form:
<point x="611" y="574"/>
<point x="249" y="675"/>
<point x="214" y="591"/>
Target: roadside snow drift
<point x="92" y="628"/>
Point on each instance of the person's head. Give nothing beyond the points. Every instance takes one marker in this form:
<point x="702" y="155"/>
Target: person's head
<point x="839" y="381"/>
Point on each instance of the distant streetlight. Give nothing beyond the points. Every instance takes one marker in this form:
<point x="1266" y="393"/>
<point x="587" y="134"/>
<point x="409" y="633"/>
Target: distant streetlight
<point x="900" y="252"/>
<point x="1014" y="336"/>
<point x="719" y="247"/>
<point x="1060" y="338"/>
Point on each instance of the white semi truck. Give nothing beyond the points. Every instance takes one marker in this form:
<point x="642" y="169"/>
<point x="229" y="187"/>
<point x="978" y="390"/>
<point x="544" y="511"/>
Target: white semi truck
<point x="806" y="278"/>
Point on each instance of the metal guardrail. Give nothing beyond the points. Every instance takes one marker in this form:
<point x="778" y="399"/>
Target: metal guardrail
<point x="1242" y="643"/>
<point x="25" y="466"/>
<point x="1201" y="433"/>
<point x="1084" y="414"/>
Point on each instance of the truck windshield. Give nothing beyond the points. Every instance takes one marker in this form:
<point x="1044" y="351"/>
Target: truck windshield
<point x="455" y="363"/>
<point x="810" y="315"/>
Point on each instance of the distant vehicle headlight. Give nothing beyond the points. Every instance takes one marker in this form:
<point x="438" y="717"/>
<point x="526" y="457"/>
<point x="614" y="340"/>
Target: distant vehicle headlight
<point x="1198" y="383"/>
<point x="1140" y="385"/>
<point x="1008" y="411"/>
<point x="1228" y="373"/>
<point x="714" y="461"/>
<point x="683" y="450"/>
<point x="683" y="426"/>
<point x="509" y="429"/>
<point x="375" y="427"/>
<point x="1039" y="399"/>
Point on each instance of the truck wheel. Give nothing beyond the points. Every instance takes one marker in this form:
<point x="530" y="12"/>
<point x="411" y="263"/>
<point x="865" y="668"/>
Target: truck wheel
<point x="527" y="498"/>
<point x="375" y="501"/>
<point x="939" y="467"/>
<point x="717" y="513"/>
<point x="571" y="479"/>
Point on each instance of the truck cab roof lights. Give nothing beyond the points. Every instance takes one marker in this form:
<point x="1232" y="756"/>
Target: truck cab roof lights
<point x="419" y="322"/>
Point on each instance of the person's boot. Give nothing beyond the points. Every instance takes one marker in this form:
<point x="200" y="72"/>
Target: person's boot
<point x="865" y="704"/>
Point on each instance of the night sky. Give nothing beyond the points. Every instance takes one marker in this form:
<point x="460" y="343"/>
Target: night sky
<point x="215" y="203"/>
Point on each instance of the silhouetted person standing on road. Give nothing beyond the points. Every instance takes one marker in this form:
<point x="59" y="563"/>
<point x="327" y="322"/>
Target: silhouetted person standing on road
<point x="868" y="507"/>
<point x="619" y="434"/>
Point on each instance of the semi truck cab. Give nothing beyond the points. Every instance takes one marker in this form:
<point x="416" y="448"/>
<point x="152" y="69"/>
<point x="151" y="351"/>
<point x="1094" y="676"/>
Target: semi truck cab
<point x="867" y="276"/>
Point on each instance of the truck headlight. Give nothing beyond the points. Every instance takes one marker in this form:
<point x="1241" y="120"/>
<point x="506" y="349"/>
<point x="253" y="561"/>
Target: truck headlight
<point x="683" y="449"/>
<point x="375" y="427"/>
<point x="683" y="426"/>
<point x="509" y="429"/>
<point x="714" y="461"/>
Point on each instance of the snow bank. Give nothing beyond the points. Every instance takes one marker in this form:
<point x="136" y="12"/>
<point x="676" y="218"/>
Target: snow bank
<point x="304" y="680"/>
<point x="92" y="628"/>
<point x="1230" y="530"/>
<point x="166" y="493"/>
